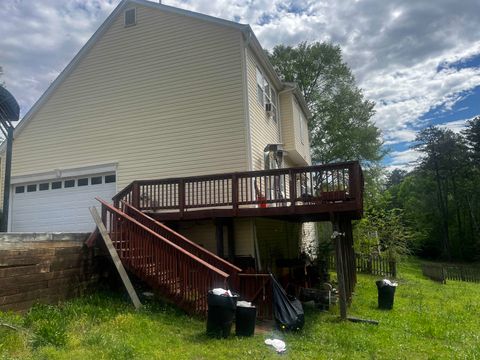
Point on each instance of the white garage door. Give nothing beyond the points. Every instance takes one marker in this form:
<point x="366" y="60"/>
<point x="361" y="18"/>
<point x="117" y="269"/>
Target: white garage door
<point x="59" y="205"/>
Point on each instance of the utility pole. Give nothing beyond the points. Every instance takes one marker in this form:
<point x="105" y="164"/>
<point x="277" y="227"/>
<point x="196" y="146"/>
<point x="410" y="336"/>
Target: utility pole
<point x="9" y="112"/>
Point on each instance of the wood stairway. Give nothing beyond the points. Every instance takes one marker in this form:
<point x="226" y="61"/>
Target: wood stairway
<point x="167" y="261"/>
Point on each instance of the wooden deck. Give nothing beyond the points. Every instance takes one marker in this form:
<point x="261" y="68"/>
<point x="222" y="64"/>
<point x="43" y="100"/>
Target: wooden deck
<point x="310" y="193"/>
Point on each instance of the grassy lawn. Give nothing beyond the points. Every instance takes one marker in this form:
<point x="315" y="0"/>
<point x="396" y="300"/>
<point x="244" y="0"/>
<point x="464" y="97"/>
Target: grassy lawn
<point x="429" y="321"/>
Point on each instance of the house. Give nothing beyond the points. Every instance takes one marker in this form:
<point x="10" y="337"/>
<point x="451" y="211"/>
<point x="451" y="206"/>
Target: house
<point x="164" y="93"/>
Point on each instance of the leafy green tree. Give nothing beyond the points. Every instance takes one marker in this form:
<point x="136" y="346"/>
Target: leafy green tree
<point x="341" y="127"/>
<point x="472" y="135"/>
<point x="383" y="230"/>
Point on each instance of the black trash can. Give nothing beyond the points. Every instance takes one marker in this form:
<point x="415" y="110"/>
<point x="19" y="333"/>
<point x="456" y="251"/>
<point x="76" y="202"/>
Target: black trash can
<point x="245" y="319"/>
<point x="221" y="311"/>
<point x="386" y="294"/>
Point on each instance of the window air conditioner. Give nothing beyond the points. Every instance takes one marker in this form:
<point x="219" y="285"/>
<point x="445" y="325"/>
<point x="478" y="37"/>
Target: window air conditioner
<point x="269" y="109"/>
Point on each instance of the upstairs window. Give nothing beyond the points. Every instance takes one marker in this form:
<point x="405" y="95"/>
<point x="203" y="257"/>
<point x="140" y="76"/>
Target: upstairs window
<point x="260" y="89"/>
<point x="266" y="95"/>
<point x="130" y="17"/>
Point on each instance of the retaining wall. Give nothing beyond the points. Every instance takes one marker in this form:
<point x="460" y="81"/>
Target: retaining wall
<point x="44" y="268"/>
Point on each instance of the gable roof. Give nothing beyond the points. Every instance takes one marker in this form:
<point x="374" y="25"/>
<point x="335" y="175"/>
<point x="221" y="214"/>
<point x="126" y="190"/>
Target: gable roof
<point x="246" y="30"/>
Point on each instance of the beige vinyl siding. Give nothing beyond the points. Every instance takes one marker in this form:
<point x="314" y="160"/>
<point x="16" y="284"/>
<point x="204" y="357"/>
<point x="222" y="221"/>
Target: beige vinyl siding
<point x="276" y="239"/>
<point x="302" y="143"/>
<point x="163" y="98"/>
<point x="295" y="137"/>
<point x="264" y="129"/>
<point x="288" y="131"/>
<point x="204" y="234"/>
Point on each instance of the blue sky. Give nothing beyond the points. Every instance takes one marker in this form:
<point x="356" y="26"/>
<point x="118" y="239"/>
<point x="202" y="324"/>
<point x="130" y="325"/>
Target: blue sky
<point x="418" y="60"/>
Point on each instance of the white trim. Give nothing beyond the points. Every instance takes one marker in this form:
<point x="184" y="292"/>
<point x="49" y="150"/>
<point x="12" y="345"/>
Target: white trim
<point x="65" y="172"/>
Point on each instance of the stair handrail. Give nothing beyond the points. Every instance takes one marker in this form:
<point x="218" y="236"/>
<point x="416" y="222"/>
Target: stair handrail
<point x="122" y="192"/>
<point x="161" y="238"/>
<point x="234" y="269"/>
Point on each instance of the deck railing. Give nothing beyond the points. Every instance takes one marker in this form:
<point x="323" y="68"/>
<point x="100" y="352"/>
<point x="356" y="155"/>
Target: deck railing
<point x="289" y="187"/>
<point x="186" y="244"/>
<point x="182" y="276"/>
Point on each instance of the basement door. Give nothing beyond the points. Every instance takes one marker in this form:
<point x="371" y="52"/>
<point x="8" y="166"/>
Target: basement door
<point x="59" y="205"/>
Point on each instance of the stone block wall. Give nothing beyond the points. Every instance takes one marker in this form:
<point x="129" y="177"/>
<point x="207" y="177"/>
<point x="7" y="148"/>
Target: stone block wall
<point x="44" y="268"/>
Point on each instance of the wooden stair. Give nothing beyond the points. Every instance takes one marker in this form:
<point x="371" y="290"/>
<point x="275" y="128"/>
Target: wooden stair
<point x="179" y="269"/>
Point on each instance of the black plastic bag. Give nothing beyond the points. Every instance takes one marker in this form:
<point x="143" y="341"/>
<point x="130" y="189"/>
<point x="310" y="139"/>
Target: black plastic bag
<point x="287" y="310"/>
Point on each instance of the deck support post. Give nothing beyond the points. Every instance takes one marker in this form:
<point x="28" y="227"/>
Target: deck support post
<point x="337" y="238"/>
<point x="231" y="239"/>
<point x="219" y="237"/>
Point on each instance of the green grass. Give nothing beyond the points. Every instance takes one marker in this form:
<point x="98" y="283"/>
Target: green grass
<point x="429" y="321"/>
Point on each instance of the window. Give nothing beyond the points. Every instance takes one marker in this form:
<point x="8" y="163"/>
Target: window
<point x="43" y="186"/>
<point x="32" y="188"/>
<point x="56" y="185"/>
<point x="301" y="120"/>
<point x="130" y="17"/>
<point x="260" y="88"/>
<point x="96" y="180"/>
<point x="82" y="182"/>
<point x="19" y="189"/>
<point x="69" y="183"/>
<point x="110" y="179"/>
<point x="266" y="94"/>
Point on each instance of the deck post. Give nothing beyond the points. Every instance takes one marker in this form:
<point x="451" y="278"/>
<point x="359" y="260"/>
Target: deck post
<point x="235" y="194"/>
<point x="136" y="195"/>
<point x="231" y="239"/>
<point x="219" y="237"/>
<point x="292" y="189"/>
<point x="339" y="261"/>
<point x="181" y="197"/>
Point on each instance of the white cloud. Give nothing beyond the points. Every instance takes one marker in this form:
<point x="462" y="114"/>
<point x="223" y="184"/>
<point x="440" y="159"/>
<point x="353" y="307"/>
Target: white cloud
<point x="395" y="48"/>
<point x="405" y="160"/>
<point x="456" y="126"/>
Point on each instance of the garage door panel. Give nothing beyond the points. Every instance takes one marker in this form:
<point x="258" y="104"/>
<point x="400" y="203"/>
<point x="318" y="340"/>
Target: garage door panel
<point x="58" y="210"/>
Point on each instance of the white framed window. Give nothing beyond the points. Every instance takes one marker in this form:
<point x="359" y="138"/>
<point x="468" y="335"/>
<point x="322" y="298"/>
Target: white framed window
<point x="266" y="94"/>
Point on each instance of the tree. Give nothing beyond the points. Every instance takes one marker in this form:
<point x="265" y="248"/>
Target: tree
<point x="341" y="128"/>
<point x="446" y="161"/>
<point x="472" y="135"/>
<point x="395" y="177"/>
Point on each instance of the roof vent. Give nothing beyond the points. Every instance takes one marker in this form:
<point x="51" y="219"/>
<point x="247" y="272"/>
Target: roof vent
<point x="130" y="17"/>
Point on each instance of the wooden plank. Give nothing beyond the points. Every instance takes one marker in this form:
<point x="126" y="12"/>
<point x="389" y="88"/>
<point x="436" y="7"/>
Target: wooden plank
<point x="116" y="260"/>
<point x="340" y="273"/>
